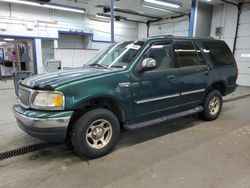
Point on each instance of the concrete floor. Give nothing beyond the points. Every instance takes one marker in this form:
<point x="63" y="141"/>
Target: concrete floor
<point x="186" y="152"/>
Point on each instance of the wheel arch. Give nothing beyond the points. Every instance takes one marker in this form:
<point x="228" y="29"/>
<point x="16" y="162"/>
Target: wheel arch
<point x="220" y="86"/>
<point x="97" y="102"/>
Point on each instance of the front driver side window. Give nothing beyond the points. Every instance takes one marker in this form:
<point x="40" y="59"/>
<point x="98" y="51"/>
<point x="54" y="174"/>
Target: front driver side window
<point x="163" y="55"/>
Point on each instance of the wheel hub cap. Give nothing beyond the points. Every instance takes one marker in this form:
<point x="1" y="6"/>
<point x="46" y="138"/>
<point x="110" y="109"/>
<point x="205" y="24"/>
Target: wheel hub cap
<point x="99" y="134"/>
<point x="214" y="105"/>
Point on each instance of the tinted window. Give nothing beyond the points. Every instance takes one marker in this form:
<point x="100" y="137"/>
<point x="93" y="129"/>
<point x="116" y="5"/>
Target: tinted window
<point x="163" y="54"/>
<point x="187" y="54"/>
<point x="219" y="53"/>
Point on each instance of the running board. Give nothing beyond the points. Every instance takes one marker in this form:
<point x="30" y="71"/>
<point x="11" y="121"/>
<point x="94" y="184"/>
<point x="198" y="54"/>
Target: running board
<point x="163" y="119"/>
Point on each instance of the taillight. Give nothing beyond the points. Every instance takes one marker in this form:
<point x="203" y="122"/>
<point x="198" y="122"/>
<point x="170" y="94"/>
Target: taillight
<point x="237" y="73"/>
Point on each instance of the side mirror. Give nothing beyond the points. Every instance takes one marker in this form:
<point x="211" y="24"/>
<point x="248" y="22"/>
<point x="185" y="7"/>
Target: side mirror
<point x="148" y="64"/>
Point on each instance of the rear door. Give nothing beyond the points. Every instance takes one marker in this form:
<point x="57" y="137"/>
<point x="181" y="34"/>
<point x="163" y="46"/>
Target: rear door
<point x="194" y="73"/>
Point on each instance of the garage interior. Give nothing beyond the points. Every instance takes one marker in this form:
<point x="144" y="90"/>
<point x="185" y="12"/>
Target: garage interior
<point x="186" y="152"/>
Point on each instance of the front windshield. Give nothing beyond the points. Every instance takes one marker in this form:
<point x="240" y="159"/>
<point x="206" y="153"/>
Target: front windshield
<point x="118" y="55"/>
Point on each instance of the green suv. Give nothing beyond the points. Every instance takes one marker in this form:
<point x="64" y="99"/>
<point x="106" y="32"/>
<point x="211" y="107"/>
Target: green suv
<point x="130" y="85"/>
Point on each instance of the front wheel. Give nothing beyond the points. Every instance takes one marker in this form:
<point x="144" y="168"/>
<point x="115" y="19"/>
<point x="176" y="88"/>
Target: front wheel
<point x="212" y="105"/>
<point x="95" y="133"/>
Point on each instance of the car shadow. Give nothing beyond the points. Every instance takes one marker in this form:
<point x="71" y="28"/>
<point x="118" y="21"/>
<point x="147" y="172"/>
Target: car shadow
<point x="127" y="139"/>
<point x="133" y="137"/>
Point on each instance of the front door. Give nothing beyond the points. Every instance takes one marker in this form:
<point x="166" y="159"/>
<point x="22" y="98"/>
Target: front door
<point x="155" y="92"/>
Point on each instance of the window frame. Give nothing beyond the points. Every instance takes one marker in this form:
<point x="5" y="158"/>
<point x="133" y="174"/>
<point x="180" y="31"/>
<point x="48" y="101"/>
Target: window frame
<point x="160" y="42"/>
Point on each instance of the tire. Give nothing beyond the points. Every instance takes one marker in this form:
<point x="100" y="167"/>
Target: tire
<point x="96" y="133"/>
<point x="212" y="105"/>
<point x="69" y="145"/>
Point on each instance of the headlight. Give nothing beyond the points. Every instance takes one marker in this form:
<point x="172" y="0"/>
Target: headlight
<point x="48" y="100"/>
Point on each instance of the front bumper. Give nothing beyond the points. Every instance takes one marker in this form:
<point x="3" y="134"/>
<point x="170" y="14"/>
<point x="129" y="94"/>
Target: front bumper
<point x="45" y="125"/>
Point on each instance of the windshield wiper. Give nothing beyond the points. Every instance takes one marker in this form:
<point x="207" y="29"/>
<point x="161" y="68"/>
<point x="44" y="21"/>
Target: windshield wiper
<point x="100" y="65"/>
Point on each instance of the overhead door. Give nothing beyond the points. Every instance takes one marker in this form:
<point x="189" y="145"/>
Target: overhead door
<point x="242" y="53"/>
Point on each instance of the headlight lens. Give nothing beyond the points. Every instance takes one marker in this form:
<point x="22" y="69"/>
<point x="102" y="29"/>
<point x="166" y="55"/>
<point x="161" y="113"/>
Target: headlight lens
<point x="49" y="100"/>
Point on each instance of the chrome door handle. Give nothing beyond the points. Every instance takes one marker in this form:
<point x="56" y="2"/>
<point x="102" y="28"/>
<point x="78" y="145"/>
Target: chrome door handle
<point x="124" y="84"/>
<point x="171" y="78"/>
<point x="206" y="72"/>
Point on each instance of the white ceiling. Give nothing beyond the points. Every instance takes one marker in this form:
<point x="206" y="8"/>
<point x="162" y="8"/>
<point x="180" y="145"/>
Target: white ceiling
<point x="134" y="5"/>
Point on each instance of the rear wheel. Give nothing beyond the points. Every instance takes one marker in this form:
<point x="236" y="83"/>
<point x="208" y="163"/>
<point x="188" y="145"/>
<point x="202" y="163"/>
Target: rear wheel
<point x="95" y="133"/>
<point x="212" y="105"/>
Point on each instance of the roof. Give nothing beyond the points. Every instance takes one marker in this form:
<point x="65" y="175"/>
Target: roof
<point x="179" y="37"/>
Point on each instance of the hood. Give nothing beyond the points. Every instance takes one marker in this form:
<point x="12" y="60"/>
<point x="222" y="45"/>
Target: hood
<point x="53" y="80"/>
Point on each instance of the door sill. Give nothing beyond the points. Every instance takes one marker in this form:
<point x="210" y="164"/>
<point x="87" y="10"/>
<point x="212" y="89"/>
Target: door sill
<point x="163" y="119"/>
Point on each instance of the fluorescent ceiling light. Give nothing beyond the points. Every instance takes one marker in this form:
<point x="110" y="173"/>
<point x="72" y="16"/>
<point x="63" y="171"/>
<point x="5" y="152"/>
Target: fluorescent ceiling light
<point x="8" y="39"/>
<point x="49" y="6"/>
<point x="156" y="8"/>
<point x="163" y="3"/>
<point x="64" y="8"/>
<point x="101" y="16"/>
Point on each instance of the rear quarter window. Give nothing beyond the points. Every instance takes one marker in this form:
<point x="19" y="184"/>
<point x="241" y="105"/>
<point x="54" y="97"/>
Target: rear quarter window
<point x="219" y="53"/>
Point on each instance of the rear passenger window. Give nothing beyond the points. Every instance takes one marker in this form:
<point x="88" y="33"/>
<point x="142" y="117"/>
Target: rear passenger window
<point x="219" y="53"/>
<point x="188" y="55"/>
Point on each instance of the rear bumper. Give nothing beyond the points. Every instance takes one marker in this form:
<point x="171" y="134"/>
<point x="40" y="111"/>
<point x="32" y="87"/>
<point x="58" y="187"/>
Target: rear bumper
<point x="50" y="126"/>
<point x="230" y="89"/>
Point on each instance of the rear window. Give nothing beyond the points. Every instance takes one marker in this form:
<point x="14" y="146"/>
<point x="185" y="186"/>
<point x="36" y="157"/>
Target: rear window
<point x="219" y="53"/>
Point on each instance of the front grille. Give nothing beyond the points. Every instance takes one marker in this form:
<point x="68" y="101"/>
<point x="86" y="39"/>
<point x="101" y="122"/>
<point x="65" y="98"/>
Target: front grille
<point x="24" y="96"/>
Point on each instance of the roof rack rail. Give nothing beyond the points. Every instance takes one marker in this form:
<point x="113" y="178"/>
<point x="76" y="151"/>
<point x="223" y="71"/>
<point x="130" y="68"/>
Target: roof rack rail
<point x="161" y="35"/>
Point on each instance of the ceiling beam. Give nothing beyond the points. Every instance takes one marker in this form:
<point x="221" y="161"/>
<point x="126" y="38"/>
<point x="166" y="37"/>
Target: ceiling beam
<point x="229" y="2"/>
<point x="118" y="18"/>
<point x="125" y="11"/>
